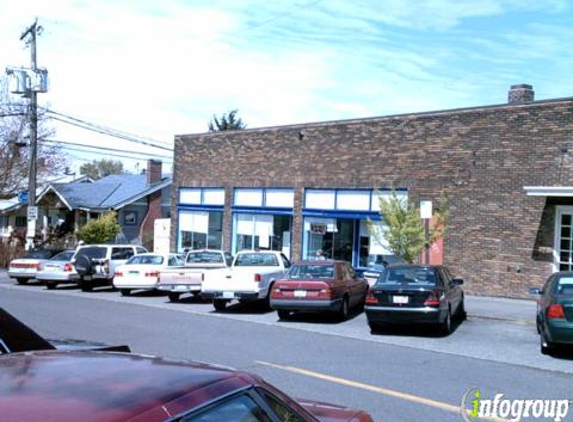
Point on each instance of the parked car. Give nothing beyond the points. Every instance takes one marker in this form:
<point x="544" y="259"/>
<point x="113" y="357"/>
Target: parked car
<point x="43" y="384"/>
<point x="318" y="286"/>
<point x="24" y="269"/>
<point x="250" y="278"/>
<point x="555" y="311"/>
<point x="57" y="270"/>
<point x="189" y="277"/>
<point x="415" y="294"/>
<point x="141" y="272"/>
<point x="96" y="264"/>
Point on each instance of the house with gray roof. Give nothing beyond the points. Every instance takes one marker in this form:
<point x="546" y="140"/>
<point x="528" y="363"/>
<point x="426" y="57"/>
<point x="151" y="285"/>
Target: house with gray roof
<point x="138" y="199"/>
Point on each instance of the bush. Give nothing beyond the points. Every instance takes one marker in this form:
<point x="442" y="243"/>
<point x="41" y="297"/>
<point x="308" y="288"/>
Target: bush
<point x="102" y="230"/>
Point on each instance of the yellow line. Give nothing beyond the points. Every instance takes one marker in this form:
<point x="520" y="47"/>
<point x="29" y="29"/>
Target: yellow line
<point x="380" y="390"/>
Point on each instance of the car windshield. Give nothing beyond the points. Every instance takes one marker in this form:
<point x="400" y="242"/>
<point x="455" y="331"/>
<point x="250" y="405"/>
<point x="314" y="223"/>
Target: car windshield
<point x="94" y="252"/>
<point x="64" y="256"/>
<point x="204" y="258"/>
<point x="39" y="254"/>
<point x="419" y="276"/>
<point x="564" y="286"/>
<point x="256" y="260"/>
<point x="311" y="272"/>
<point x="145" y="260"/>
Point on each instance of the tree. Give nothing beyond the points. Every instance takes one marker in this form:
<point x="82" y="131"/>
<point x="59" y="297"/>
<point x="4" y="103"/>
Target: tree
<point x="102" y="230"/>
<point x="15" y="149"/>
<point x="101" y="168"/>
<point x="404" y="232"/>
<point x="227" y="122"/>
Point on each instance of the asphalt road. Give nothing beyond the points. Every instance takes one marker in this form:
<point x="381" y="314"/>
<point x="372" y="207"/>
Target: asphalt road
<point x="401" y="375"/>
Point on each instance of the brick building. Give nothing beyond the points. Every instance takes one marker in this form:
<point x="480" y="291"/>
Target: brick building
<point x="506" y="171"/>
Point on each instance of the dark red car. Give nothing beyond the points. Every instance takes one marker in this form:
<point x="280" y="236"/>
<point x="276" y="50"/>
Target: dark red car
<point x="319" y="286"/>
<point x="103" y="386"/>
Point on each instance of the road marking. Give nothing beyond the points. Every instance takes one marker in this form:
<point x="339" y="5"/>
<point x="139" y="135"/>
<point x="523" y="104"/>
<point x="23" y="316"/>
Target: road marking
<point x="380" y="390"/>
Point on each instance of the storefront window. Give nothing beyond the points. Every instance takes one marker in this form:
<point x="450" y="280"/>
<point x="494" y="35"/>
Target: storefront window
<point x="200" y="229"/>
<point x="333" y="237"/>
<point x="262" y="231"/>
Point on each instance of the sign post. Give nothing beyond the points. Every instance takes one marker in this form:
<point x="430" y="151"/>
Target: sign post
<point x="426" y="215"/>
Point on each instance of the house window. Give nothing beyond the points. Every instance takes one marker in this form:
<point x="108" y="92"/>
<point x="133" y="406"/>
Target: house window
<point x="21" y="221"/>
<point x="130" y="218"/>
<point x="264" y="197"/>
<point x="200" y="229"/>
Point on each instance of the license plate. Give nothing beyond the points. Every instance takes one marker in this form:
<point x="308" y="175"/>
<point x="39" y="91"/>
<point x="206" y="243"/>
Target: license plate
<point x="300" y="293"/>
<point x="87" y="277"/>
<point x="181" y="288"/>
<point x="228" y="295"/>
<point x="51" y="268"/>
<point x="400" y="299"/>
<point x="133" y="273"/>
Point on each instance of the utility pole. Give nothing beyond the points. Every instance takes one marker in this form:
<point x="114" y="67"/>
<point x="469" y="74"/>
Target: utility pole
<point x="32" y="210"/>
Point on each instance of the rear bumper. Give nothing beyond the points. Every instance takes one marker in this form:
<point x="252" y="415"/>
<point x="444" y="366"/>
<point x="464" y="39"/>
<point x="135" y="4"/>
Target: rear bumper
<point x="389" y="314"/>
<point x="231" y="295"/>
<point x="21" y="274"/>
<point x="306" y="304"/>
<point x="179" y="288"/>
<point x="60" y="277"/>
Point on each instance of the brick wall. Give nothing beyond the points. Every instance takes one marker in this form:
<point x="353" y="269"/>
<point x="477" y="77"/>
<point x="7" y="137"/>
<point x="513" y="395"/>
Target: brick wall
<point x="480" y="158"/>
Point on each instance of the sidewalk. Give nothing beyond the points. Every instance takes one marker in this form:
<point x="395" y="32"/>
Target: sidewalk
<point x="515" y="310"/>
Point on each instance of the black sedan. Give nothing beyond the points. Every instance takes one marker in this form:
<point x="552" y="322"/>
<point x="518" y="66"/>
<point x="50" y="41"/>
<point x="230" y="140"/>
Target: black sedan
<point x="415" y="294"/>
<point x="555" y="311"/>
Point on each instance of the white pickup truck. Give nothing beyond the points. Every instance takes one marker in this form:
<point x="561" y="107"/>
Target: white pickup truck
<point x="189" y="278"/>
<point x="250" y="278"/>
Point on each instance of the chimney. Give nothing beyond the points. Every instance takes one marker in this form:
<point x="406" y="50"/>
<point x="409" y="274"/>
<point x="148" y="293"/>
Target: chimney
<point x="521" y="93"/>
<point x="153" y="172"/>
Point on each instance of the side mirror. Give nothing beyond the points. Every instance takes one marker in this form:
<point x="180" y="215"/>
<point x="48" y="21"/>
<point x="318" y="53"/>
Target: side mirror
<point x="535" y="291"/>
<point x="458" y="281"/>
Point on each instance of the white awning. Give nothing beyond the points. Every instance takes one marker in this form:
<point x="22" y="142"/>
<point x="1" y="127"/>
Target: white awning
<point x="563" y="191"/>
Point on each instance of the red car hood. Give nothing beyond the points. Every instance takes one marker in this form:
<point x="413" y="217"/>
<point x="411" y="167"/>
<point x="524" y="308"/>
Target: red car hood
<point x="326" y="412"/>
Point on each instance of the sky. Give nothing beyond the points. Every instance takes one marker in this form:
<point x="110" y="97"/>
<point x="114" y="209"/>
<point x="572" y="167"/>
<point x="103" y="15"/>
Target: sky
<point x="160" y="68"/>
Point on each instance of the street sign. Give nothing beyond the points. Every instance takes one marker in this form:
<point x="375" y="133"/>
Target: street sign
<point x="425" y="209"/>
<point x="23" y="196"/>
<point x="32" y="213"/>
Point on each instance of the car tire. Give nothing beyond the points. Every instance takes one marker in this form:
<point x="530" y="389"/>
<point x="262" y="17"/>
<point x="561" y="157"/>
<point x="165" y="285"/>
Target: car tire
<point x="173" y="297"/>
<point x="344" y="310"/>
<point x="219" y="304"/>
<point x="22" y="281"/>
<point x="85" y="286"/>
<point x="284" y="314"/>
<point x="125" y="292"/>
<point x="446" y="325"/>
<point x="462" y="314"/>
<point x="83" y="265"/>
<point x="50" y="285"/>
<point x="375" y="327"/>
<point x="547" y="347"/>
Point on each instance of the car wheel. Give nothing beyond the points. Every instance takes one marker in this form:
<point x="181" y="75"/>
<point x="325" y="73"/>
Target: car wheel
<point x="83" y="265"/>
<point x="50" y="285"/>
<point x="219" y="304"/>
<point x="22" y="281"/>
<point x="446" y="326"/>
<point x="374" y="327"/>
<point x="85" y="286"/>
<point x="343" y="312"/>
<point x="125" y="292"/>
<point x="547" y="347"/>
<point x="462" y="314"/>
<point x="173" y="297"/>
<point x="283" y="314"/>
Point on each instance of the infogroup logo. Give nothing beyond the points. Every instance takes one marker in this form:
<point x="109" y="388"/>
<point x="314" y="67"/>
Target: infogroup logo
<point x="513" y="410"/>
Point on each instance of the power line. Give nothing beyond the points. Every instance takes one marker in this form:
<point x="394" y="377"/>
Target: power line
<point x="103" y="153"/>
<point x="106" y="130"/>
<point x="64" y="144"/>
